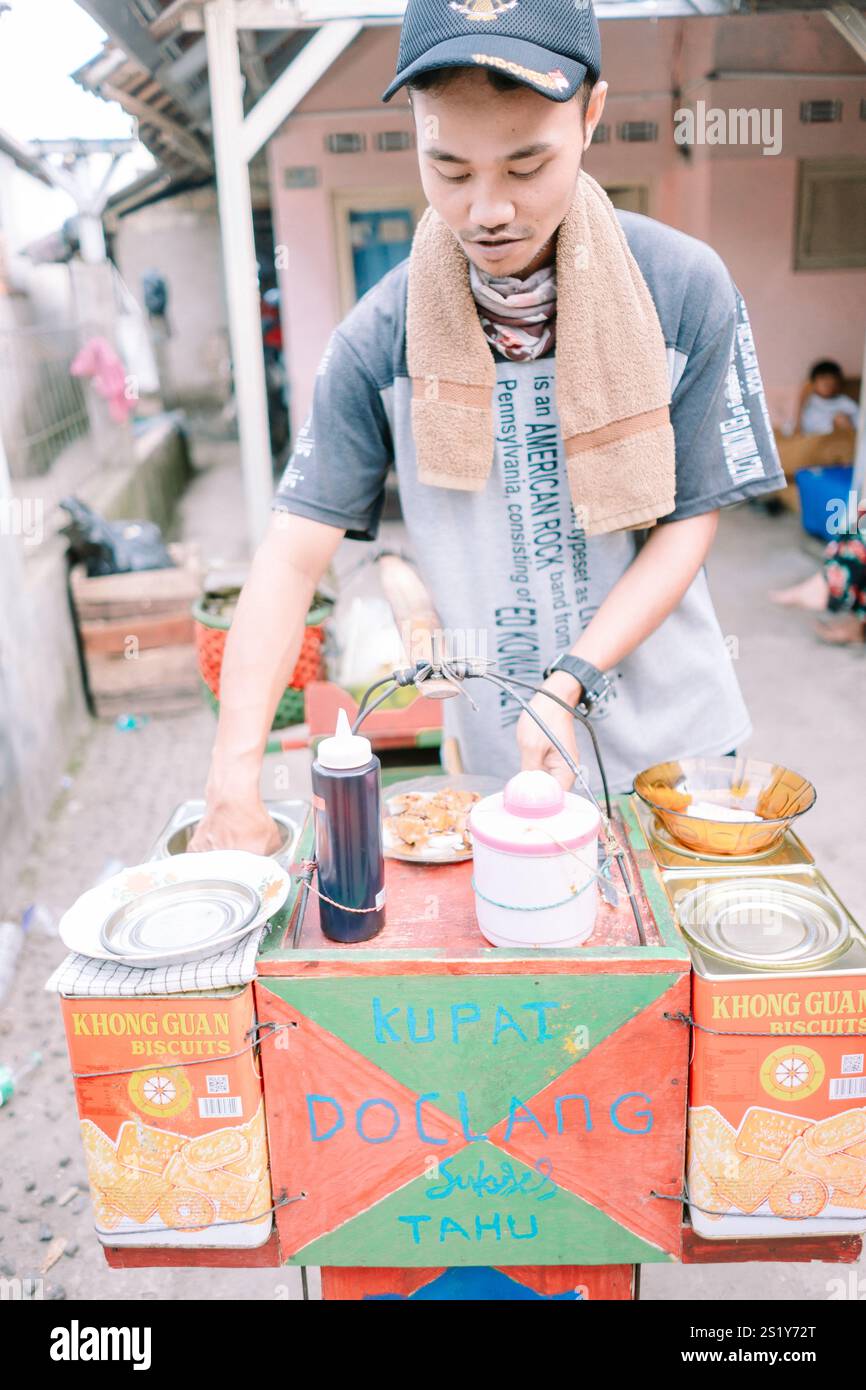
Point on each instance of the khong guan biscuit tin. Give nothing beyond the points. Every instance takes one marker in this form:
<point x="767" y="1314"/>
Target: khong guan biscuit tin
<point x="777" y="1103"/>
<point x="172" y="1118"/>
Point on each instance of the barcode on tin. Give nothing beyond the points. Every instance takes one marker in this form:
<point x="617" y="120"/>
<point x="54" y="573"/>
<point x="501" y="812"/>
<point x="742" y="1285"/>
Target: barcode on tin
<point x="220" y="1107"/>
<point x="848" y="1088"/>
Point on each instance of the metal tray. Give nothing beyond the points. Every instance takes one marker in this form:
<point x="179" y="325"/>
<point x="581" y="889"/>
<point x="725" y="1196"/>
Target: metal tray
<point x="180" y="921"/>
<point x="815" y="932"/>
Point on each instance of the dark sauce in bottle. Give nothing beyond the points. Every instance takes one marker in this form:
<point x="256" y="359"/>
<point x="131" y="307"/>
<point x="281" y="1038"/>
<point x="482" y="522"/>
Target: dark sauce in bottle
<point x="347" y="807"/>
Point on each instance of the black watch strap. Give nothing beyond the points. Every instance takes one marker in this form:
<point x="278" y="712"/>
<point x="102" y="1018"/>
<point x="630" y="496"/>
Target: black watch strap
<point x="593" y="681"/>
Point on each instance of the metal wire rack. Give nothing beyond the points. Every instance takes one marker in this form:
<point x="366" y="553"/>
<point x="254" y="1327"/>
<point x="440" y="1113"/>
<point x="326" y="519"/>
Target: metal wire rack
<point x="440" y="678"/>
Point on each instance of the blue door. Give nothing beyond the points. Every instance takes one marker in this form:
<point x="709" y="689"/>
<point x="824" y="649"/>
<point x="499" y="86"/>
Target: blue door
<point x="380" y="240"/>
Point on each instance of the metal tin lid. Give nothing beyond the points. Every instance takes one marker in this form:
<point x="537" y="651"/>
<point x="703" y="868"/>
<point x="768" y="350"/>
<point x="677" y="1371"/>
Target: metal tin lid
<point x="198" y="912"/>
<point x="764" y="923"/>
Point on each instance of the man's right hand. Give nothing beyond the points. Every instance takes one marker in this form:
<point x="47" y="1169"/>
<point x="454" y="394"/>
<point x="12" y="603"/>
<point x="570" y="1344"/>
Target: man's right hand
<point x="236" y="825"/>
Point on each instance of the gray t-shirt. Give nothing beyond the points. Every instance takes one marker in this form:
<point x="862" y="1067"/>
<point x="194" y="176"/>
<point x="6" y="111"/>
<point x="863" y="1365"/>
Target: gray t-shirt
<point x="509" y="566"/>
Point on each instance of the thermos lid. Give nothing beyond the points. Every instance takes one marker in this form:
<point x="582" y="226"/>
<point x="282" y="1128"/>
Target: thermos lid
<point x="345" y="749"/>
<point x="534" y="816"/>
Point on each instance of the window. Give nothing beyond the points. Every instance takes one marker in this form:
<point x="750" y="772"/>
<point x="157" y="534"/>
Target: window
<point x="632" y="197"/>
<point x="831" y="215"/>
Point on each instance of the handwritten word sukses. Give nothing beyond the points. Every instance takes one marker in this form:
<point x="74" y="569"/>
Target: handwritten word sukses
<point x="508" y="1182"/>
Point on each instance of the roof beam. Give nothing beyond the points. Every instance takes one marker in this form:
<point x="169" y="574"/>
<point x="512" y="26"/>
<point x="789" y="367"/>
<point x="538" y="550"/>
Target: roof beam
<point x="293" y="84"/>
<point x="851" y="24"/>
<point x="175" y="135"/>
<point x="171" y="16"/>
<point x="302" y="14"/>
<point x="122" y="27"/>
<point x="253" y="64"/>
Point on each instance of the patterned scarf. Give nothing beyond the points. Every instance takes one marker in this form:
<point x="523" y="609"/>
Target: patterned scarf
<point x="518" y="316"/>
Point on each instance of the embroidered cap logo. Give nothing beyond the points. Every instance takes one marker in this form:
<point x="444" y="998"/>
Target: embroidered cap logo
<point x="483" y="10"/>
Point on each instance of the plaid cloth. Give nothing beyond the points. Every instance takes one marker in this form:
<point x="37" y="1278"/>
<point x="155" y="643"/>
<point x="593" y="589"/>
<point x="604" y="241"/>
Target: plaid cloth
<point x="86" y="978"/>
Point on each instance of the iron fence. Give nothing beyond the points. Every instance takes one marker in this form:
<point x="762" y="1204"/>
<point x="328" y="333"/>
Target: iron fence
<point x="42" y="407"/>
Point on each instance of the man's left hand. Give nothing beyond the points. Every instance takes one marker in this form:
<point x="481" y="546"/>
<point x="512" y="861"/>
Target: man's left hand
<point x="536" y="750"/>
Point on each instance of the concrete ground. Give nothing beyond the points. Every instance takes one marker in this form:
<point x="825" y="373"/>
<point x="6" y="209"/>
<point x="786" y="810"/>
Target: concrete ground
<point x="806" y="704"/>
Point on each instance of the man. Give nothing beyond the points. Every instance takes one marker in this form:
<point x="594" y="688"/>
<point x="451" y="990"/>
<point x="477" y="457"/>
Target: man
<point x="568" y="395"/>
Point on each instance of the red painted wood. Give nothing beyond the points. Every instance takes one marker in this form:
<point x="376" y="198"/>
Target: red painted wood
<point x="137" y="1257"/>
<point x="112" y="635"/>
<point x="593" y="1166"/>
<point x="431" y="907"/>
<point x="296" y="1157"/>
<point x="600" y="1282"/>
<point x="357" y="1284"/>
<point x="791" y="1250"/>
<point x="394" y="728"/>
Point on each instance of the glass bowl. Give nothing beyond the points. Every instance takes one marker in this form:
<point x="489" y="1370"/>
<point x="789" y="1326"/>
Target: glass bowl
<point x="776" y="794"/>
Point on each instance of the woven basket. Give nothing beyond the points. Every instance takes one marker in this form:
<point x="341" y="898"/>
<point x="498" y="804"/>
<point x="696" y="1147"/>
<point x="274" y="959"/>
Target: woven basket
<point x="210" y="640"/>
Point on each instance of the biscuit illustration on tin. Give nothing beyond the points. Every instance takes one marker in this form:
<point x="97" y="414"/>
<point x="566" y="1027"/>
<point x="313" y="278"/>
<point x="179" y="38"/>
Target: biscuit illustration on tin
<point x="843" y="1197"/>
<point x="751" y="1185"/>
<point x="835" y="1168"/>
<point x="704" y="1193"/>
<point x="838" y="1132"/>
<point x="185" y="1210"/>
<point x="798" y="1196"/>
<point x="768" y="1133"/>
<point x="712" y="1143"/>
<point x="103" y="1167"/>
<point x="108" y="1218"/>
<point x="137" y="1194"/>
<point x="144" y="1147"/>
<point x="217" y="1149"/>
<point x="255" y="1160"/>
<point x="213" y="1182"/>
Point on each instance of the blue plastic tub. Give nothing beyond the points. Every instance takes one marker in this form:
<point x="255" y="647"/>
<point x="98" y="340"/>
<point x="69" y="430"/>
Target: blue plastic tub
<point x="819" y="489"/>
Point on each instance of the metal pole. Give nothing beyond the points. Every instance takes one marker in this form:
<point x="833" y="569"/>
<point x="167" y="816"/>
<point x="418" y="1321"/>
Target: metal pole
<point x="239" y="263"/>
<point x="858" y="482"/>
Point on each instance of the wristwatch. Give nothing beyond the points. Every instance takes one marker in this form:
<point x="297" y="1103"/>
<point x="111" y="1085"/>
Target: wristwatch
<point x="597" y="687"/>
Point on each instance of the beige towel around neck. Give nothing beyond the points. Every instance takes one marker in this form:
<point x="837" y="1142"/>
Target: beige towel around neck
<point x="612" y="382"/>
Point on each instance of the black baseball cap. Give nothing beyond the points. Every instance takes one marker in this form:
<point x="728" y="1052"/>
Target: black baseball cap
<point x="549" y="45"/>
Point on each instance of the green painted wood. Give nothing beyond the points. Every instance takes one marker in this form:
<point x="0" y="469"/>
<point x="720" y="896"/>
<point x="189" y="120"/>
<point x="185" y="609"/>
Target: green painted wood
<point x="510" y="1034"/>
<point x="270" y="947"/>
<point x="652" y="883"/>
<point x="429" y="738"/>
<point x="612" y="955"/>
<point x="465" y="1228"/>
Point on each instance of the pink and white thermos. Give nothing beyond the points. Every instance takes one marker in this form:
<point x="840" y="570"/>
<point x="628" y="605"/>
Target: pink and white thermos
<point x="536" y="864"/>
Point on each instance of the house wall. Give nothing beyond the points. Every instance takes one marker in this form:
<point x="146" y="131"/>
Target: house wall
<point x="736" y="198"/>
<point x="179" y="237"/>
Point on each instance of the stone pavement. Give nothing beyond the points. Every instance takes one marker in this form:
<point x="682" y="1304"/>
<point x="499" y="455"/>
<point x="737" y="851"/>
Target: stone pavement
<point x="122" y="787"/>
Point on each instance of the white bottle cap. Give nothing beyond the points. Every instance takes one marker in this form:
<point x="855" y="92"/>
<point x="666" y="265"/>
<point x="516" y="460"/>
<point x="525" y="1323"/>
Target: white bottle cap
<point x="345" y="749"/>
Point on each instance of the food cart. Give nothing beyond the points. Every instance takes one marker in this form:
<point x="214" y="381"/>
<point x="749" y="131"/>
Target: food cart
<point x="446" y="1119"/>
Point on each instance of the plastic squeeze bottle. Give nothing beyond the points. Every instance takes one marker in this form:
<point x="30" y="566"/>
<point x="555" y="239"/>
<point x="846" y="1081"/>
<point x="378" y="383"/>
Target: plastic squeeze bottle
<point x="347" y="806"/>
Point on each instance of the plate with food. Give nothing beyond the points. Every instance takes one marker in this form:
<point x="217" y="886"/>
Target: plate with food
<point x="426" y="820"/>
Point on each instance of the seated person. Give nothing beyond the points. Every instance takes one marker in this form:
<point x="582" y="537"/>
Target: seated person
<point x="838" y="589"/>
<point x="824" y="405"/>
